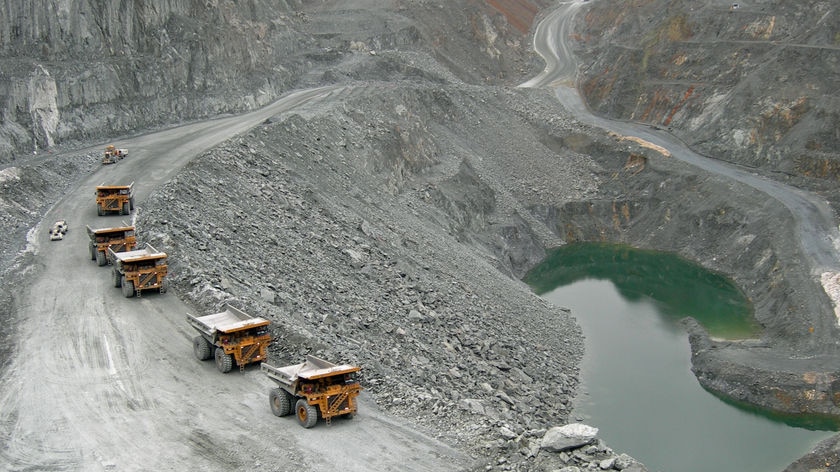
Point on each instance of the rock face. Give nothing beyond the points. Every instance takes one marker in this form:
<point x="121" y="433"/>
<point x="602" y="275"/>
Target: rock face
<point x="77" y="69"/>
<point x="74" y="70"/>
<point x="751" y="84"/>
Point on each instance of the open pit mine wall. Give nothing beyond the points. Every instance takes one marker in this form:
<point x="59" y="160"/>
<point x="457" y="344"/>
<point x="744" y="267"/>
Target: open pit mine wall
<point x="95" y="69"/>
<point x="82" y="69"/>
<point x="749" y="83"/>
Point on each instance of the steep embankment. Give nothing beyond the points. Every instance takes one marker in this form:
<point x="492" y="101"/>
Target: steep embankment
<point x="92" y="70"/>
<point x="749" y="82"/>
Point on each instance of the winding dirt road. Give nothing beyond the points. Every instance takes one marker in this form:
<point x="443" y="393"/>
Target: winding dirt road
<point x="818" y="234"/>
<point x="101" y="382"/>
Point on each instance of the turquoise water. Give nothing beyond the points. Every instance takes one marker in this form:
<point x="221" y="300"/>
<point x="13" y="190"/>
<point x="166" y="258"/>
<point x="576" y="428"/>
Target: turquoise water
<point x="636" y="380"/>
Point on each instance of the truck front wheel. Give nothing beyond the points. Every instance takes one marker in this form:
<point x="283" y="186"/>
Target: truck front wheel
<point x="93" y="251"/>
<point x="117" y="279"/>
<point x="281" y="404"/>
<point x="100" y="258"/>
<point x="224" y="362"/>
<point x="202" y="348"/>
<point x="127" y="287"/>
<point x="307" y="414"/>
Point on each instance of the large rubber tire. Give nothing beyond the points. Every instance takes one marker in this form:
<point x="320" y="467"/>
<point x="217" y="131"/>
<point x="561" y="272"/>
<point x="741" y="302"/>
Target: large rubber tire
<point x="93" y="251"/>
<point x="203" y="350"/>
<point x="117" y="279"/>
<point x="307" y="415"/>
<point x="101" y="260"/>
<point x="99" y="210"/>
<point x="126" y="208"/>
<point x="127" y="287"/>
<point x="131" y="203"/>
<point x="224" y="362"/>
<point x="281" y="402"/>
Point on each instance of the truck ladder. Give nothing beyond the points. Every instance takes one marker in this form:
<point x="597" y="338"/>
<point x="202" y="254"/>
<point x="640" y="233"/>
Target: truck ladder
<point x="334" y="404"/>
<point x="247" y="354"/>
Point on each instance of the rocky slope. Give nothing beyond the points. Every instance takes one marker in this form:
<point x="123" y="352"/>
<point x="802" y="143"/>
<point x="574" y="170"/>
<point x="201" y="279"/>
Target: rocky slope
<point x="748" y="82"/>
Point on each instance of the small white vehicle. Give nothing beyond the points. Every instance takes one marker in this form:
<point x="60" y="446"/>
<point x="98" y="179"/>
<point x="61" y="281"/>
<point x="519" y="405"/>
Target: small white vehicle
<point x="59" y="228"/>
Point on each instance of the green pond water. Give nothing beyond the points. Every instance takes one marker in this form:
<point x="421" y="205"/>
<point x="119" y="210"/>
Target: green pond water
<point x="636" y="380"/>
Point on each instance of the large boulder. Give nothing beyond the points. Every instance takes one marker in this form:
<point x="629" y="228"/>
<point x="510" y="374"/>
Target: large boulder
<point x="570" y="436"/>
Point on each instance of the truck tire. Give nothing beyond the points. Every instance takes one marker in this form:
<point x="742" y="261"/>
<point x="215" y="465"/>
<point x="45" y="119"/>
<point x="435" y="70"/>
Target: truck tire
<point x="101" y="260"/>
<point x="224" y="362"/>
<point x="126" y="209"/>
<point x="127" y="287"/>
<point x="307" y="414"/>
<point x="202" y="349"/>
<point x="99" y="210"/>
<point x="281" y="402"/>
<point x="93" y="251"/>
<point x="117" y="279"/>
<point x="131" y="203"/>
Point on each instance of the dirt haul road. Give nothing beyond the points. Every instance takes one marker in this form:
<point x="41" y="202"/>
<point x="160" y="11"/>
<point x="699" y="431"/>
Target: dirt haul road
<point x="818" y="235"/>
<point x="102" y="382"/>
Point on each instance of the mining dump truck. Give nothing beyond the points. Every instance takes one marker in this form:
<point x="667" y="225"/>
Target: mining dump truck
<point x="138" y="270"/>
<point x="113" y="154"/>
<point x="233" y="336"/>
<point x="114" y="198"/>
<point x="121" y="238"/>
<point x="314" y="387"/>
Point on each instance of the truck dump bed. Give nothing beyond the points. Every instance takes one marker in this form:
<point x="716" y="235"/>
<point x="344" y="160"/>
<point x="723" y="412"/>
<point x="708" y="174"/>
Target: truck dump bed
<point x="229" y="321"/>
<point x="98" y="234"/>
<point x="138" y="255"/>
<point x="313" y="368"/>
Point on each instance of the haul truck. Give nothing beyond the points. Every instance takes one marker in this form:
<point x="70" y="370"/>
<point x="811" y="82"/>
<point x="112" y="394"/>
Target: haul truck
<point x="233" y="336"/>
<point x="113" y="154"/>
<point x="314" y="387"/>
<point x="138" y="270"/>
<point x="114" y="198"/>
<point x="121" y="238"/>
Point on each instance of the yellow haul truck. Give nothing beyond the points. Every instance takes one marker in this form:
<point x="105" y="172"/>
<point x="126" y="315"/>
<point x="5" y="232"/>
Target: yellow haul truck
<point x="233" y="336"/>
<point x="121" y="238"/>
<point x="313" y="388"/>
<point x="138" y="270"/>
<point x="113" y="154"/>
<point x="114" y="198"/>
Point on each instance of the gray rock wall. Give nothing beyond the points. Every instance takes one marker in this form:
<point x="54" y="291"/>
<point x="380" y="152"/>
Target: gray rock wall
<point x="94" y="70"/>
<point x="76" y="70"/>
<point x="752" y="85"/>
